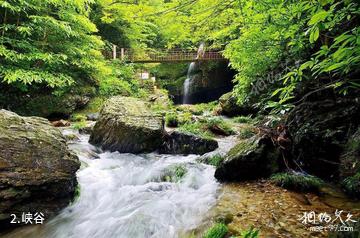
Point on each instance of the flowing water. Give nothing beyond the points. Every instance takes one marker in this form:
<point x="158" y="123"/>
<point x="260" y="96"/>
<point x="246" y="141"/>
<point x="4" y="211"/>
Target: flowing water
<point x="125" y="195"/>
<point x="190" y="74"/>
<point x="188" y="83"/>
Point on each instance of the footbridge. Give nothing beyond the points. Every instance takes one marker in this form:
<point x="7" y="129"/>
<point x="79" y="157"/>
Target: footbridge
<point x="162" y="55"/>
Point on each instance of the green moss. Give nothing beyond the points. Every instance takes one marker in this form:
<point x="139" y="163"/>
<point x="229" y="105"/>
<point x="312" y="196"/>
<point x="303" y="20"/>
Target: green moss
<point x="351" y="185"/>
<point x="243" y="147"/>
<point x="297" y="182"/>
<point x="219" y="230"/>
<point x="215" y="160"/>
<point x="76" y="193"/>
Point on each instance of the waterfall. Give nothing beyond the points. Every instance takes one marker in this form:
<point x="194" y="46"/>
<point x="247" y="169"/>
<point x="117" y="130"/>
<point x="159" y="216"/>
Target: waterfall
<point x="190" y="73"/>
<point x="187" y="83"/>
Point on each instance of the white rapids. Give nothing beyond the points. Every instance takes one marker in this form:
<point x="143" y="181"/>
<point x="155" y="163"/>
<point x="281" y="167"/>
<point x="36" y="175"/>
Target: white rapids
<point x="124" y="195"/>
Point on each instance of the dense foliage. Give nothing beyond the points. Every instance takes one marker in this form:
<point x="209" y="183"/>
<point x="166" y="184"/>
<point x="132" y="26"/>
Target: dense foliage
<point x="275" y="45"/>
<point x="50" y="42"/>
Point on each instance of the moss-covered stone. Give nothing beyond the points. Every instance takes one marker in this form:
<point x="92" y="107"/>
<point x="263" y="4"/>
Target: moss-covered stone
<point x="127" y="125"/>
<point x="229" y="106"/>
<point x="250" y="159"/>
<point x="37" y="171"/>
<point x="297" y="182"/>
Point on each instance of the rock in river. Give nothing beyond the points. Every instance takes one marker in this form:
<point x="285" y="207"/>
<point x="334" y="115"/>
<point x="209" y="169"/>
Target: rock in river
<point x="183" y="143"/>
<point x="252" y="158"/>
<point x="127" y="125"/>
<point x="37" y="171"/>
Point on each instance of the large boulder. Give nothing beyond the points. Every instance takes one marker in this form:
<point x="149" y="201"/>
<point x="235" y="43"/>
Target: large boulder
<point x="184" y="143"/>
<point x="252" y="158"/>
<point x="320" y="131"/>
<point x="37" y="171"/>
<point x="127" y="125"/>
<point x="228" y="106"/>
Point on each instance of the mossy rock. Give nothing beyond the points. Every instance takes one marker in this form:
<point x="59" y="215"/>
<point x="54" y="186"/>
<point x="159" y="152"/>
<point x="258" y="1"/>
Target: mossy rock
<point x="249" y="159"/>
<point x="127" y="125"/>
<point x="230" y="107"/>
<point x="37" y="170"/>
<point x="297" y="182"/>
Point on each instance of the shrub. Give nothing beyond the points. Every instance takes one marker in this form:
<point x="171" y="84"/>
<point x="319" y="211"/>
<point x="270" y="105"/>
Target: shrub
<point x="79" y="125"/>
<point x="242" y="119"/>
<point x="201" y="108"/>
<point x="219" y="230"/>
<point x="251" y="233"/>
<point x="171" y="120"/>
<point x="351" y="185"/>
<point x="78" y="117"/>
<point x="113" y="86"/>
<point x="185" y="117"/>
<point x="297" y="181"/>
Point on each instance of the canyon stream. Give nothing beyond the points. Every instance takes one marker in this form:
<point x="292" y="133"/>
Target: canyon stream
<point x="127" y="195"/>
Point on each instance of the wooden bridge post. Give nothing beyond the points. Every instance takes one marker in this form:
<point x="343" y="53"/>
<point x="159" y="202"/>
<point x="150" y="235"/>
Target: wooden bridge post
<point x="122" y="54"/>
<point x="114" y="52"/>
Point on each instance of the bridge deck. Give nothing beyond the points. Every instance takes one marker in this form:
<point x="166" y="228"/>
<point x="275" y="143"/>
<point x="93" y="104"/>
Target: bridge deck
<point x="164" y="56"/>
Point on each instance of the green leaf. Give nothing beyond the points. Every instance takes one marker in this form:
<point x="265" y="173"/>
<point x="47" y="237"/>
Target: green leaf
<point x="318" y="17"/>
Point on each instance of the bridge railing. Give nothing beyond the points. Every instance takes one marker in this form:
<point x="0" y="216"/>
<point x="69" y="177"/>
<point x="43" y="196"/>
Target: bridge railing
<point x="162" y="56"/>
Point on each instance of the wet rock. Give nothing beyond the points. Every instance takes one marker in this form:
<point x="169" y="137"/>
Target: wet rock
<point x="92" y="116"/>
<point x="349" y="159"/>
<point x="320" y="131"/>
<point x="127" y="125"/>
<point x="250" y="159"/>
<point x="72" y="137"/>
<point x="87" y="129"/>
<point x="184" y="143"/>
<point x="229" y="106"/>
<point x="60" y="123"/>
<point x="37" y="171"/>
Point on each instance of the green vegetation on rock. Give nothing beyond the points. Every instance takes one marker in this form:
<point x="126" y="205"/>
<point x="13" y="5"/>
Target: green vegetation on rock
<point x="351" y="185"/>
<point x="171" y="119"/>
<point x="251" y="233"/>
<point x="215" y="160"/>
<point x="297" y="182"/>
<point x="218" y="230"/>
<point x="175" y="173"/>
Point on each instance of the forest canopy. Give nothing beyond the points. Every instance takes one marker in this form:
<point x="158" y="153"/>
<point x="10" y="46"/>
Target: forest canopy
<point x="60" y="43"/>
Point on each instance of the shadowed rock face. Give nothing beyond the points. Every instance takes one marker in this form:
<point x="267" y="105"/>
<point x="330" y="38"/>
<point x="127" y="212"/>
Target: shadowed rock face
<point x="37" y="171"/>
<point x="127" y="125"/>
<point x="320" y="131"/>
